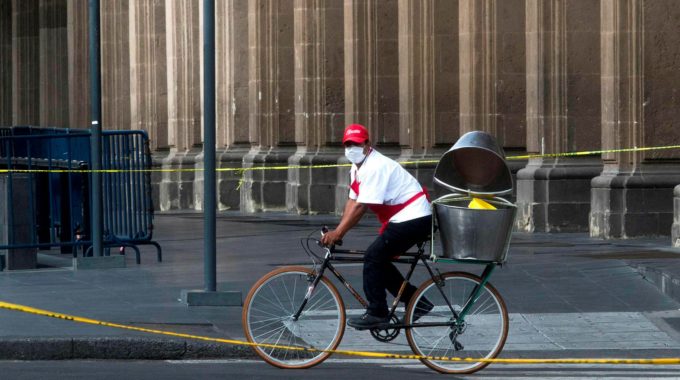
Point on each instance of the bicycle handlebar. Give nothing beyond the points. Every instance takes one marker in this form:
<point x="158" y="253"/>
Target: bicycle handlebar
<point x="324" y="230"/>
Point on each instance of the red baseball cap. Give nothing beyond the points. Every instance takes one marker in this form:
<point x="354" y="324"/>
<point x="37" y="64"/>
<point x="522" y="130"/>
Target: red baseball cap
<point x="356" y="133"/>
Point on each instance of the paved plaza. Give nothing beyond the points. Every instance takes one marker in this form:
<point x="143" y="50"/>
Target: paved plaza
<point x="568" y="295"/>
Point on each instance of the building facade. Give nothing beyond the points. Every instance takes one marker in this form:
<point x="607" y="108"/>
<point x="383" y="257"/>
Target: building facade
<point x="543" y="76"/>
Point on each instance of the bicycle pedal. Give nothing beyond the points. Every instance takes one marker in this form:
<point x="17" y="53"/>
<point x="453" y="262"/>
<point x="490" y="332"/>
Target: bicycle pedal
<point x="383" y="326"/>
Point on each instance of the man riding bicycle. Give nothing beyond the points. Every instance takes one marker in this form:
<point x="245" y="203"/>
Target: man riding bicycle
<point x="402" y="206"/>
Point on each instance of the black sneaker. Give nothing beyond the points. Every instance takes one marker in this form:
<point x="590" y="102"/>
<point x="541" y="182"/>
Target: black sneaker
<point x="367" y="322"/>
<point x="423" y="307"/>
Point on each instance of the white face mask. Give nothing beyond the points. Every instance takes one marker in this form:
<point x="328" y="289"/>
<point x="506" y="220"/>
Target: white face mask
<point x="355" y="154"/>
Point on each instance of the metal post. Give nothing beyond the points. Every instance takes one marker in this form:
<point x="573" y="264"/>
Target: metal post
<point x="96" y="220"/>
<point x="209" y="188"/>
<point x="209" y="296"/>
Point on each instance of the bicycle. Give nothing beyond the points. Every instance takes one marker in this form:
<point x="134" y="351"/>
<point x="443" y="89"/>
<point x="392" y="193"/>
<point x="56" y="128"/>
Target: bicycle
<point x="296" y="307"/>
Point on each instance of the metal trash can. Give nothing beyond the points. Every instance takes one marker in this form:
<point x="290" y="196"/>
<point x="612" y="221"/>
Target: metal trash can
<point x="474" y="168"/>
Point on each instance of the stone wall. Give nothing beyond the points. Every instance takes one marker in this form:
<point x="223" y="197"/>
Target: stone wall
<point x="543" y="76"/>
<point x="634" y="193"/>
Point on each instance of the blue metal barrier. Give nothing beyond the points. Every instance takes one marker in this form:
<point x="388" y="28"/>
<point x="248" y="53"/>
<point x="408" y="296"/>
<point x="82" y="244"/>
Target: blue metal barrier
<point x="61" y="200"/>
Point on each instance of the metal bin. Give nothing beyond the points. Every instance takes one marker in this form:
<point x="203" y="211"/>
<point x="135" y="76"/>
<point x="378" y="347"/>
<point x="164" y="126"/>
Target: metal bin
<point x="474" y="168"/>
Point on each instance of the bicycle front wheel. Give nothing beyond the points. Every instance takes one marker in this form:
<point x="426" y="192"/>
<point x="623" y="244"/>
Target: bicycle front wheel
<point x="268" y="318"/>
<point x="480" y="334"/>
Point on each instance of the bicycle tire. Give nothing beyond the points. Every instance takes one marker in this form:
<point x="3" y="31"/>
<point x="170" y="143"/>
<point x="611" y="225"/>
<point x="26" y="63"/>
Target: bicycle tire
<point x="482" y="335"/>
<point x="265" y="299"/>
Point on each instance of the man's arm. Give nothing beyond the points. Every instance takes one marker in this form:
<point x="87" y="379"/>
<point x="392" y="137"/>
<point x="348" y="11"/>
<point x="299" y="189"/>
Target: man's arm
<point x="350" y="217"/>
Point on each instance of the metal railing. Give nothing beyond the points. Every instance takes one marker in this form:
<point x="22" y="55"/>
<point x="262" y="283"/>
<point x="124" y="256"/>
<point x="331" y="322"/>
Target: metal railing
<point x="57" y="189"/>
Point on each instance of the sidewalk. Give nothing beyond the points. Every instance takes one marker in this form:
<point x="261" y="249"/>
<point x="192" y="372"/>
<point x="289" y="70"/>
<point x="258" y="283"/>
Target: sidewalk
<point x="563" y="291"/>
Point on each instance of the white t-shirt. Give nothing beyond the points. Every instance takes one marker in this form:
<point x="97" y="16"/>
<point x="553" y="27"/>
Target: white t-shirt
<point x="384" y="181"/>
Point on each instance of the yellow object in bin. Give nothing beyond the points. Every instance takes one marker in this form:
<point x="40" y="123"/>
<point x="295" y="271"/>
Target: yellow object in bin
<point x="480" y="204"/>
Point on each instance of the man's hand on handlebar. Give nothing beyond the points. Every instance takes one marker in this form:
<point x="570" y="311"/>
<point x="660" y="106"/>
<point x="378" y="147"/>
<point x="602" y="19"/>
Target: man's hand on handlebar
<point x="331" y="238"/>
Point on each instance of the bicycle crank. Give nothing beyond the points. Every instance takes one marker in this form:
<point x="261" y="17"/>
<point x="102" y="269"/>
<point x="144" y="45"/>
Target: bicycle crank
<point x="387" y="334"/>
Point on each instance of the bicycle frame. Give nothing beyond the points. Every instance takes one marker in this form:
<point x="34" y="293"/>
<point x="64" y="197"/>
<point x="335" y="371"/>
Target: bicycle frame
<point x="412" y="258"/>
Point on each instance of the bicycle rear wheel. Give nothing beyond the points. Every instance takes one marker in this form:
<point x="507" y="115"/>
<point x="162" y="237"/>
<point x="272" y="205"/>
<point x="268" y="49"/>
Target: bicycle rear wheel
<point x="482" y="334"/>
<point x="268" y="318"/>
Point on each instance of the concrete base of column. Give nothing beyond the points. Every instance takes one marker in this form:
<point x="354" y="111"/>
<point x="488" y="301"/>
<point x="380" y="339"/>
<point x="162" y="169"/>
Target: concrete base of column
<point x="265" y="190"/>
<point x="554" y="195"/>
<point x="341" y="185"/>
<point x="17" y="221"/>
<point x="311" y="190"/>
<point x="676" y="219"/>
<point x="625" y="205"/>
<point x="228" y="182"/>
<point x="176" y="188"/>
<point x="206" y="298"/>
<point x="99" y="262"/>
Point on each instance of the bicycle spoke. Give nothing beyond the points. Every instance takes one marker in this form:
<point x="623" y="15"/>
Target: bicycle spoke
<point x="259" y="328"/>
<point x="268" y="319"/>
<point x="277" y="342"/>
<point x="482" y="334"/>
<point x="292" y="299"/>
<point x="487" y="304"/>
<point x="278" y="300"/>
<point x="269" y="333"/>
<point x="325" y="303"/>
<point x="267" y="313"/>
<point x="276" y="305"/>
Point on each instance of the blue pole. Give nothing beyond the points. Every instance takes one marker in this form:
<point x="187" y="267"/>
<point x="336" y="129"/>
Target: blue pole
<point x="209" y="188"/>
<point x="96" y="219"/>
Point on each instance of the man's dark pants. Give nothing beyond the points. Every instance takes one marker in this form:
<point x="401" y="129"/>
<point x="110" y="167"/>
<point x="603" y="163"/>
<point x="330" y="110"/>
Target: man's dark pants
<point x="380" y="273"/>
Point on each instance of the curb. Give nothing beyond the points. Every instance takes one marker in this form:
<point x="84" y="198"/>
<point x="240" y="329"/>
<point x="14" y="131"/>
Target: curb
<point x="117" y="348"/>
<point x="668" y="283"/>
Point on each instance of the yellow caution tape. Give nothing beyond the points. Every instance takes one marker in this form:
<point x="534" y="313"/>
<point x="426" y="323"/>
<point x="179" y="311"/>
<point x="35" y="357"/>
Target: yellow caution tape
<point x="328" y="166"/>
<point x="51" y="314"/>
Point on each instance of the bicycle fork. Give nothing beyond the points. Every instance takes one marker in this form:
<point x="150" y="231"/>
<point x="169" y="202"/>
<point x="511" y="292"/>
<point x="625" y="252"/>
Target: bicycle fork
<point x="310" y="289"/>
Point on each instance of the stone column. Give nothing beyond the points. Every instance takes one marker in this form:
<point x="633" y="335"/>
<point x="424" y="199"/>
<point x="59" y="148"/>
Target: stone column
<point x="148" y="76"/>
<point x="115" y="64"/>
<point x="511" y="82"/>
<point x="553" y="194"/>
<point x="25" y="62"/>
<point x="446" y="73"/>
<point x="319" y="104"/>
<point x="232" y="97"/>
<point x="371" y="34"/>
<point x="5" y="63"/>
<point x="53" y="63"/>
<point x="633" y="196"/>
<point x="361" y="66"/>
<point x="428" y="90"/>
<point x="78" y="63"/>
<point x="477" y="38"/>
<point x="271" y="103"/>
<point x="183" y="59"/>
<point x="676" y="217"/>
<point x="416" y="75"/>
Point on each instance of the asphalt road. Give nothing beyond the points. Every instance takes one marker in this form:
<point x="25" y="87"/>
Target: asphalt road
<point x="330" y="370"/>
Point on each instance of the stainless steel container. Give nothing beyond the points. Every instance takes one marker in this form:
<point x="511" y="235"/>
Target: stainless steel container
<point x="474" y="168"/>
<point x="474" y="234"/>
<point x="475" y="164"/>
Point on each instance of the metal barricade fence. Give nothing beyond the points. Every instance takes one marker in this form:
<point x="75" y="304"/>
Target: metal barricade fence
<point x="55" y="197"/>
<point x="128" y="206"/>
